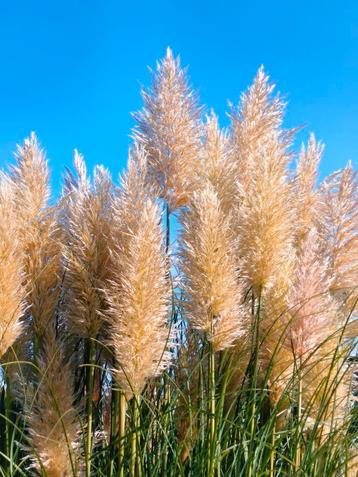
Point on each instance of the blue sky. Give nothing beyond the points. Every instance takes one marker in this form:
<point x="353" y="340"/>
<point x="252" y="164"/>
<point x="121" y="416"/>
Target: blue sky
<point x="72" y="70"/>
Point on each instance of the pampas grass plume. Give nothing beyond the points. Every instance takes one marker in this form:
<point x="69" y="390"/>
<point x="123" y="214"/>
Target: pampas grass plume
<point x="169" y="129"/>
<point x="138" y="293"/>
<point x="210" y="270"/>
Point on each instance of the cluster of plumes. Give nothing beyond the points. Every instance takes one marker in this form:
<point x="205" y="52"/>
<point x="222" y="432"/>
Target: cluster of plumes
<point x="265" y="256"/>
<point x="96" y="258"/>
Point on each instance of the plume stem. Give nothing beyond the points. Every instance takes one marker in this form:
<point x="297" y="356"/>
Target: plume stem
<point x="90" y="385"/>
<point x="212" y="411"/>
<point x="114" y="408"/>
<point x="165" y="379"/>
<point x="272" y="451"/>
<point x="255" y="358"/>
<point x="8" y="423"/>
<point x="299" y="419"/>
<point x="135" y="459"/>
<point x="122" y="431"/>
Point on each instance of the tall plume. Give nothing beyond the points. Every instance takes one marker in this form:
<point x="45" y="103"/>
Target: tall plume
<point x="210" y="270"/>
<point x="139" y="290"/>
<point x="310" y="305"/>
<point x="86" y="224"/>
<point x="264" y="214"/>
<point x="52" y="420"/>
<point x="39" y="233"/>
<point x="253" y="122"/>
<point x="168" y="127"/>
<point x="12" y="292"/>
<point x="338" y="227"/>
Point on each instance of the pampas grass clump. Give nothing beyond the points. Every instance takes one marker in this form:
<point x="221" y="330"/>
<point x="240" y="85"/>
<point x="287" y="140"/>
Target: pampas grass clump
<point x="199" y="317"/>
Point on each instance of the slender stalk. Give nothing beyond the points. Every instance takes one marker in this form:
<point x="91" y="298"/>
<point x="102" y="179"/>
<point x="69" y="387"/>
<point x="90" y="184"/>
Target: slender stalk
<point x="7" y="402"/>
<point x="90" y="385"/>
<point x="135" y="464"/>
<point x="165" y="423"/>
<point x="273" y="451"/>
<point x="299" y="419"/>
<point x="202" y="404"/>
<point x="121" y="433"/>
<point x="255" y="357"/>
<point x="166" y="391"/>
<point x="114" y="406"/>
<point x="224" y="370"/>
<point x="212" y="410"/>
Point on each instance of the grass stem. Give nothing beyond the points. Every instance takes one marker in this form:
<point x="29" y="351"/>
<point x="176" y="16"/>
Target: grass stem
<point x="90" y="385"/>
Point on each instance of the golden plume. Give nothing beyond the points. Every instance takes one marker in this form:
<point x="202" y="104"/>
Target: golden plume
<point x="253" y="122"/>
<point x="264" y="215"/>
<point x="12" y="291"/>
<point x="210" y="271"/>
<point x="138" y="292"/>
<point x="338" y="226"/>
<point x="86" y="224"/>
<point x="39" y="233"/>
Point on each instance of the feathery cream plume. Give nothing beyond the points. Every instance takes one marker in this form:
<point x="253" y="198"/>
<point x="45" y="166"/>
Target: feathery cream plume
<point x="210" y="270"/>
<point x="86" y="225"/>
<point x="38" y="233"/>
<point x="12" y="292"/>
<point x="253" y="122"/>
<point x="338" y="226"/>
<point x="30" y="178"/>
<point x="138" y="292"/>
<point x="219" y="170"/>
<point x="52" y="420"/>
<point x="44" y="272"/>
<point x="169" y="128"/>
<point x="264" y="219"/>
<point x="310" y="305"/>
<point x="314" y="333"/>
<point x="264" y="215"/>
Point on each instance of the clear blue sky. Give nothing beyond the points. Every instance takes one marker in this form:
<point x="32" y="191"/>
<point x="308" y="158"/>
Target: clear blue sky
<point x="71" y="70"/>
